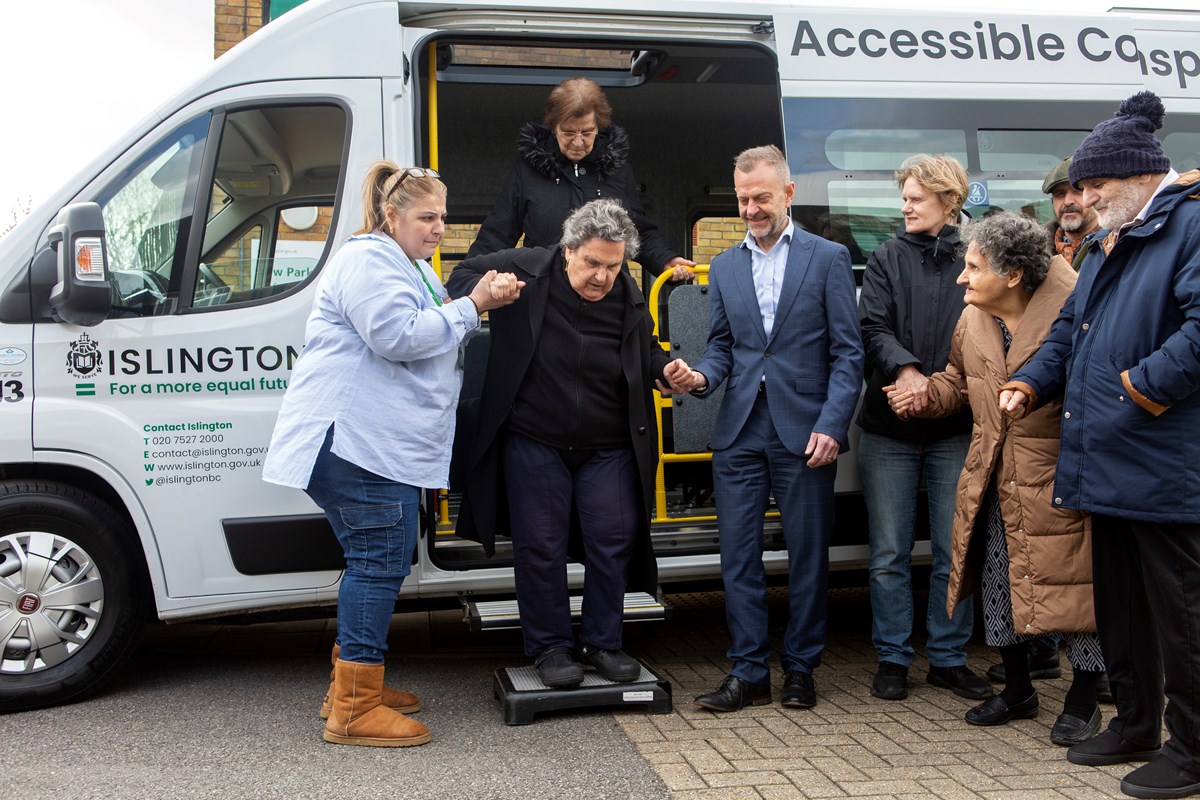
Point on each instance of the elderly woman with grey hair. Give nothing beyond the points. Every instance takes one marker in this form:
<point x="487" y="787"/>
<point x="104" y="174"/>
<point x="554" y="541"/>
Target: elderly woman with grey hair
<point x="1035" y="557"/>
<point x="563" y="453"/>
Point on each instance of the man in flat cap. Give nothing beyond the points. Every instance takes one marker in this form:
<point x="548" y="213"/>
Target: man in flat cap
<point x="1072" y="219"/>
<point x="1125" y="355"/>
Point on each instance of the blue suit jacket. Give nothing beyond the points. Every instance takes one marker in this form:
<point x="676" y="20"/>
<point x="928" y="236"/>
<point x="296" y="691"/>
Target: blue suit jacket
<point x="813" y="360"/>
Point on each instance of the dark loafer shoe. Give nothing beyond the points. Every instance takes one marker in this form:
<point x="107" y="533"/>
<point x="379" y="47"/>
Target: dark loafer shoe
<point x="960" y="680"/>
<point x="798" y="690"/>
<point x="558" y="669"/>
<point x="1109" y="748"/>
<point x="998" y="712"/>
<point x="735" y="693"/>
<point x="614" y="665"/>
<point x="1162" y="777"/>
<point x="891" y="681"/>
<point x="1069" y="729"/>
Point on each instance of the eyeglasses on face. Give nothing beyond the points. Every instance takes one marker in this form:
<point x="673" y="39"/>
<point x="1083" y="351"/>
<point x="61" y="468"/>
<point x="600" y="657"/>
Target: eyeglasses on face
<point x="571" y="136"/>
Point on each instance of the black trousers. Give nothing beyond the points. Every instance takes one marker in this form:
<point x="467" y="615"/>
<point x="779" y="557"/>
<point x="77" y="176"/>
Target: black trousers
<point x="544" y="485"/>
<point x="1147" y="590"/>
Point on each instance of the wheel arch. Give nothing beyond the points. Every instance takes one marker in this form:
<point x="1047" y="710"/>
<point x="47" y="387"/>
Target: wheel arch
<point x="105" y="484"/>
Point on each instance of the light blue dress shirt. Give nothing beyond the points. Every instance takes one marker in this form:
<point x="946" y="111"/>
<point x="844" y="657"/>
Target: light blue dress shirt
<point x="768" y="268"/>
<point x="380" y="362"/>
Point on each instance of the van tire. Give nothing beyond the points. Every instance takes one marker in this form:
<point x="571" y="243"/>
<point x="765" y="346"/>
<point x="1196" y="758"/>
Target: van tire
<point x="89" y="543"/>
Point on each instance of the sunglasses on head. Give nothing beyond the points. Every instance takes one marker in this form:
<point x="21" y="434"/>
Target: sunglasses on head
<point x="413" y="172"/>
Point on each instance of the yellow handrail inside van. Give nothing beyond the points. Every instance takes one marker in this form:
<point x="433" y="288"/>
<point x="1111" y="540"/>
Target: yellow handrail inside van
<point x="664" y="403"/>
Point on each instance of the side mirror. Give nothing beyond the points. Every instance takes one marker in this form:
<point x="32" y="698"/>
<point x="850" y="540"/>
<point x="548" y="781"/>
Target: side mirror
<point x="82" y="295"/>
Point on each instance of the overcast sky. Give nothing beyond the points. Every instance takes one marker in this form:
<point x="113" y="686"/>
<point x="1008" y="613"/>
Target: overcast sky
<point x="76" y="73"/>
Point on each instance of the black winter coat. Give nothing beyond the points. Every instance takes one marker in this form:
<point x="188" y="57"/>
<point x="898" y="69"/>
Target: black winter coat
<point x="542" y="189"/>
<point x="909" y="306"/>
<point x="514" y="336"/>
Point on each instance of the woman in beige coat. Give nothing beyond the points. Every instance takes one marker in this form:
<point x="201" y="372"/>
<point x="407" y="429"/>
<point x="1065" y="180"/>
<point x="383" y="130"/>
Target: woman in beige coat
<point x="1035" y="558"/>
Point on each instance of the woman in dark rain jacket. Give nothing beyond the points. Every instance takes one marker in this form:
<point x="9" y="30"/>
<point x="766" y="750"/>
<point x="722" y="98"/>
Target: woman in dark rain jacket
<point x="576" y="156"/>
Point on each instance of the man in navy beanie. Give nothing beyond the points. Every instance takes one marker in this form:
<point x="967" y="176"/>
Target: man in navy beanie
<point x="1125" y="355"/>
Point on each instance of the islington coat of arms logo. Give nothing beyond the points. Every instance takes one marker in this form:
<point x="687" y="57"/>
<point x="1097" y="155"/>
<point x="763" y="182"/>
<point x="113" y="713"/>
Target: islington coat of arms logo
<point x="85" y="357"/>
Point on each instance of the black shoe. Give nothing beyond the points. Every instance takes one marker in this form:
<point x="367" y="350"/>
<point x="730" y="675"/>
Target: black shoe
<point x="960" y="680"/>
<point x="798" y="690"/>
<point x="735" y="693"/>
<point x="1162" y="777"/>
<point x="614" y="665"/>
<point x="1044" y="664"/>
<point x="891" y="681"/>
<point x="998" y="712"/>
<point x="1069" y="729"/>
<point x="1109" y="748"/>
<point x="1104" y="690"/>
<point x="558" y="669"/>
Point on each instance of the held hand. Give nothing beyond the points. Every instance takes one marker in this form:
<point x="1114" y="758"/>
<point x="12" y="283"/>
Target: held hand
<point x="822" y="450"/>
<point x="680" y="376"/>
<point x="900" y="401"/>
<point x="1014" y="402"/>
<point x="496" y="289"/>
<point x="910" y="379"/>
<point x="679" y="269"/>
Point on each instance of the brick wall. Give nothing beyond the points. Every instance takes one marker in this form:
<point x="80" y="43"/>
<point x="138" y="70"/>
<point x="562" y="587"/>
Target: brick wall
<point x="234" y="20"/>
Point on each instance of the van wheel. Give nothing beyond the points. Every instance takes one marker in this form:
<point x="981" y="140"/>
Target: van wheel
<point x="72" y="596"/>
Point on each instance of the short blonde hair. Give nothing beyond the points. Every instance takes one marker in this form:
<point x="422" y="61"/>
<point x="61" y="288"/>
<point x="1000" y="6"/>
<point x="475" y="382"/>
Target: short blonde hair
<point x="942" y="175"/>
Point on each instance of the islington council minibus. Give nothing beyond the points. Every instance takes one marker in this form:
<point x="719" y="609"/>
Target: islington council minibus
<point x="152" y="310"/>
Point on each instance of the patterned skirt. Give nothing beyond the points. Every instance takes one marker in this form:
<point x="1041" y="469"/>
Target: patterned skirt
<point x="1083" y="649"/>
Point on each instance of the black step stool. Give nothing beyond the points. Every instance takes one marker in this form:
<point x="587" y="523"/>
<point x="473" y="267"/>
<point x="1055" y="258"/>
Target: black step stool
<point x="522" y="693"/>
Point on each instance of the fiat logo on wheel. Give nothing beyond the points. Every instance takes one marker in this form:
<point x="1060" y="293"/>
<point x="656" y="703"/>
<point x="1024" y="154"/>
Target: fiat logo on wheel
<point x="28" y="603"/>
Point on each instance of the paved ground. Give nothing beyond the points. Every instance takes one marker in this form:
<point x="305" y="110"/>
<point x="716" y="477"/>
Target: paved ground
<point x="207" y="710"/>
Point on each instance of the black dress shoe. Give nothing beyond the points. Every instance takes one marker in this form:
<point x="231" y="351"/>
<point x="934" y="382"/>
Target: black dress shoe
<point x="798" y="690"/>
<point x="558" y="669"/>
<point x="1069" y="729"/>
<point x="1162" y="777"/>
<point x="960" y="680"/>
<point x="998" y="712"/>
<point x="1109" y="748"/>
<point x="614" y="665"/>
<point x="891" y="681"/>
<point x="735" y="693"/>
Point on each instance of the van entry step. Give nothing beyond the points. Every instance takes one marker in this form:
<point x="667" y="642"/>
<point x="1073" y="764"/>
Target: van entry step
<point x="498" y="614"/>
<point x="522" y="694"/>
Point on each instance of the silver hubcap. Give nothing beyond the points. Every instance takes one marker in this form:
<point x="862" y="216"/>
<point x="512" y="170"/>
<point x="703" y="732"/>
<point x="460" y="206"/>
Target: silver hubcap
<point x="51" y="599"/>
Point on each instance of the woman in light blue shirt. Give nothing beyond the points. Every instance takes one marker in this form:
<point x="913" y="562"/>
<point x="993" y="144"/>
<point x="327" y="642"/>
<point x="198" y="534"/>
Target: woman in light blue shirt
<point x="368" y="420"/>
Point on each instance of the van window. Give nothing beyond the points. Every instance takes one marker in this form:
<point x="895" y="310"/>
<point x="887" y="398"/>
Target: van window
<point x="842" y="160"/>
<point x="270" y="202"/>
<point x="145" y="208"/>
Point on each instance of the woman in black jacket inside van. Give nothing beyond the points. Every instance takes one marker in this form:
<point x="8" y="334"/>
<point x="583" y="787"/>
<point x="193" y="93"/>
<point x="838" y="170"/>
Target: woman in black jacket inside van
<point x="575" y="156"/>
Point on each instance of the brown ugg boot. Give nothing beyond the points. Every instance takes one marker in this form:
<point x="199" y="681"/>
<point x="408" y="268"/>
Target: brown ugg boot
<point x="359" y="716"/>
<point x="404" y="702"/>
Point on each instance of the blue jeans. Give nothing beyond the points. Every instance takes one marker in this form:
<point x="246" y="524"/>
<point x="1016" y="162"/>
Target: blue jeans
<point x="891" y="476"/>
<point x="375" y="520"/>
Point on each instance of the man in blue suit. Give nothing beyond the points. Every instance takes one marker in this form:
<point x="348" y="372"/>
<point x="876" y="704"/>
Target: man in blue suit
<point x="784" y="332"/>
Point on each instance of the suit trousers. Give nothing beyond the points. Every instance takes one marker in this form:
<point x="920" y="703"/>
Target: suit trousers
<point x="545" y="485"/>
<point x="1147" y="591"/>
<point x="754" y="467"/>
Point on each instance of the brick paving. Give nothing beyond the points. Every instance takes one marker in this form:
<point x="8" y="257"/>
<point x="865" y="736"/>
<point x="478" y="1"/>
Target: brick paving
<point x="850" y="744"/>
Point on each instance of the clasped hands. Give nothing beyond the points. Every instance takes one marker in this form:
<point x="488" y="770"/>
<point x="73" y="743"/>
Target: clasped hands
<point x="496" y="289"/>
